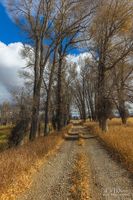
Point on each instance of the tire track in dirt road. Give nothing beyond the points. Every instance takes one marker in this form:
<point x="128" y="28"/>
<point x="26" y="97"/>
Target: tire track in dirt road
<point x="107" y="179"/>
<point x="110" y="180"/>
<point x="52" y="181"/>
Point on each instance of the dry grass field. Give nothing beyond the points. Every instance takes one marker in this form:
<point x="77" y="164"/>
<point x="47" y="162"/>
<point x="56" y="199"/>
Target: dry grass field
<point x="4" y="133"/>
<point x="118" y="140"/>
<point x="79" y="179"/>
<point x="17" y="164"/>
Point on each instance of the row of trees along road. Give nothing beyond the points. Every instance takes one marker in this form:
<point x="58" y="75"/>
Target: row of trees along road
<point x="105" y="80"/>
<point x="53" y="28"/>
<point x="104" y="29"/>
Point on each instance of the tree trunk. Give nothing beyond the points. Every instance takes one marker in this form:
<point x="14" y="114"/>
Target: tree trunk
<point x="35" y="112"/>
<point x="102" y="108"/>
<point x="59" y="87"/>
<point x="36" y="92"/>
<point x="84" y="101"/>
<point x="123" y="114"/>
<point x="46" y="121"/>
<point x="124" y="120"/>
<point x="84" y="112"/>
<point x="121" y="105"/>
<point x="46" y="116"/>
<point x="103" y="124"/>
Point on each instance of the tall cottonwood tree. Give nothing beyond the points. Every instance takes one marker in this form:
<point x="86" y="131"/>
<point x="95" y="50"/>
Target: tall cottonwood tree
<point x="80" y="93"/>
<point x="35" y="17"/>
<point x="85" y="89"/>
<point x="122" y="76"/>
<point x="90" y="88"/>
<point x="47" y="24"/>
<point x="73" y="26"/>
<point x="5" y="113"/>
<point x="111" y="39"/>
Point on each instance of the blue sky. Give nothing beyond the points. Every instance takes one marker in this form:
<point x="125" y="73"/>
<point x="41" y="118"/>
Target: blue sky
<point x="10" y="60"/>
<point x="11" y="39"/>
<point x="9" y="32"/>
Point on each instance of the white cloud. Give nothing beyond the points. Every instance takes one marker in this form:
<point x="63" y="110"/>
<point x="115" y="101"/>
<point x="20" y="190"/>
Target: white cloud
<point x="4" y="94"/>
<point x="78" y="58"/>
<point x="11" y="62"/>
<point x="10" y="55"/>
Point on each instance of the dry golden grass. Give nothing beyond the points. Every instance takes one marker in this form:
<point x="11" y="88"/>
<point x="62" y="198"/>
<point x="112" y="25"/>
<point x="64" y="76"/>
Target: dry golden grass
<point x="80" y="142"/>
<point x="17" y="166"/>
<point x="80" y="179"/>
<point x="4" y="134"/>
<point x="119" y="139"/>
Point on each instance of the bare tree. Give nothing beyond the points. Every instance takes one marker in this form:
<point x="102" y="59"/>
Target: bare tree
<point x="5" y="112"/>
<point x="112" y="44"/>
<point x="73" y="27"/>
<point x="48" y="24"/>
<point x="122" y="81"/>
<point x="21" y="116"/>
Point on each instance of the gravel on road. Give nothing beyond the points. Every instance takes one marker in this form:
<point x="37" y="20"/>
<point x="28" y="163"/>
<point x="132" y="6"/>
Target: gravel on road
<point x="52" y="182"/>
<point x="108" y="180"/>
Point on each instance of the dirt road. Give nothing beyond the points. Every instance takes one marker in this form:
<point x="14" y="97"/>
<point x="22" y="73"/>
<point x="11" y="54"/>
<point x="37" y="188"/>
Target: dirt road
<point x="108" y="181"/>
